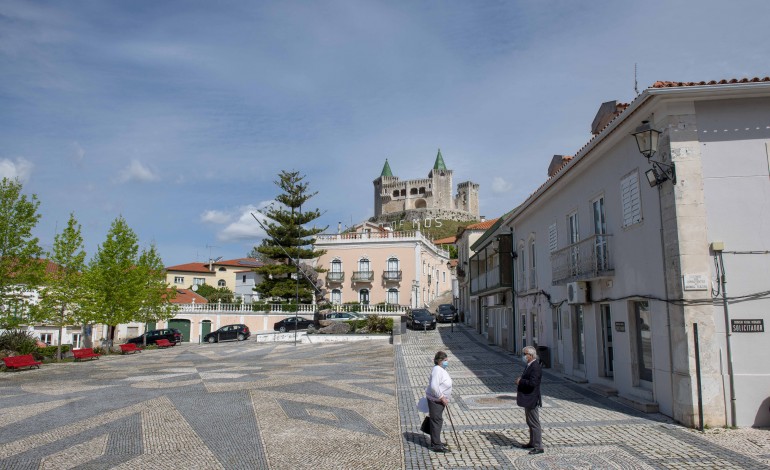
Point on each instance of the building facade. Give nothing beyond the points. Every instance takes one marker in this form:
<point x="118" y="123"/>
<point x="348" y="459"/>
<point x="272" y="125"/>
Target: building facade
<point x="216" y="273"/>
<point x="374" y="264"/>
<point x="620" y="261"/>
<point x="423" y="199"/>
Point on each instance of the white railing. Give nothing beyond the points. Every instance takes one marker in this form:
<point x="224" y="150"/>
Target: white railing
<point x="377" y="236"/>
<point x="304" y="309"/>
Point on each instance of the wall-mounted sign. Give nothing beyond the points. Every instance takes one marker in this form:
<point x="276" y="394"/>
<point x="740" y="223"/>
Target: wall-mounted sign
<point x="620" y="326"/>
<point x="695" y="282"/>
<point x="747" y="326"/>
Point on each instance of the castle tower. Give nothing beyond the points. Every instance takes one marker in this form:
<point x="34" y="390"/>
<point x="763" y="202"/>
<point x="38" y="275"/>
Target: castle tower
<point x="380" y="195"/>
<point x="441" y="184"/>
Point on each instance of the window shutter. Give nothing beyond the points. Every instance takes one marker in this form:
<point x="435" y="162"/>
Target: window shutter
<point x="553" y="242"/>
<point x="629" y="193"/>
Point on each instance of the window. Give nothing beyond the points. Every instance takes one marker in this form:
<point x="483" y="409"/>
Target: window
<point x="363" y="265"/>
<point x="222" y="269"/>
<point x="393" y="296"/>
<point x="243" y="279"/>
<point x="642" y="322"/>
<point x="532" y="266"/>
<point x="600" y="230"/>
<point x="579" y="337"/>
<point x="178" y="279"/>
<point x="198" y="281"/>
<point x="76" y="340"/>
<point x="553" y="242"/>
<point x="47" y="338"/>
<point x="221" y="283"/>
<point x="629" y="195"/>
<point x="336" y="296"/>
<point x="574" y="238"/>
<point x="363" y="296"/>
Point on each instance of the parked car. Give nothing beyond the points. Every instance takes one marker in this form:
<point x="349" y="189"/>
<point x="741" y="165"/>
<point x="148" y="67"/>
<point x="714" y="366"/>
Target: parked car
<point x="294" y="323"/>
<point x="228" y="332"/>
<point x="420" y="318"/>
<point x="446" y="313"/>
<point x="171" y="334"/>
<point x="342" y="316"/>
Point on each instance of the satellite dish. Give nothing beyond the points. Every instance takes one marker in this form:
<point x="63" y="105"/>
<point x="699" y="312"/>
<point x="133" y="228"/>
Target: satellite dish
<point x="195" y="288"/>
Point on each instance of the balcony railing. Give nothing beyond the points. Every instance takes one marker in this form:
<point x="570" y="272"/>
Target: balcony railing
<point x="335" y="276"/>
<point x="587" y="259"/>
<point x="362" y="276"/>
<point x="495" y="278"/>
<point x="391" y="275"/>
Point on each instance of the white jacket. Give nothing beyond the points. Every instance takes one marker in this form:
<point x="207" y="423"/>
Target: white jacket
<point x="439" y="385"/>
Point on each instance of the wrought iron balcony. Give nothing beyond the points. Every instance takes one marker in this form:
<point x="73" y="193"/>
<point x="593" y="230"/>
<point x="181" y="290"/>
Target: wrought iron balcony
<point x="391" y="275"/>
<point x="362" y="276"/>
<point x="335" y="276"/>
<point x="585" y="260"/>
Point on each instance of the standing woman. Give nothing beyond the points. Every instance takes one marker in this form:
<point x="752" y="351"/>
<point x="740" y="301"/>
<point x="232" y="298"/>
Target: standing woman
<point x="438" y="393"/>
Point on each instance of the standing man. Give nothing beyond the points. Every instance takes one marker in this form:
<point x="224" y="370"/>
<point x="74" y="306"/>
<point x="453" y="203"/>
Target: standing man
<point x="528" y="397"/>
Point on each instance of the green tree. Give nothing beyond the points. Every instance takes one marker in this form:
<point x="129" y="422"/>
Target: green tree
<point x="213" y="294"/>
<point x="20" y="264"/>
<point x="156" y="304"/>
<point x="288" y="239"/>
<point x="64" y="294"/>
<point x="116" y="280"/>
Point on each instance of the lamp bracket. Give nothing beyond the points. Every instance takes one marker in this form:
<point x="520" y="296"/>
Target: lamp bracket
<point x="669" y="170"/>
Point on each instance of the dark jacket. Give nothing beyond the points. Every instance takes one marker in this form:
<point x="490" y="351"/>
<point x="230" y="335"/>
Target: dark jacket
<point x="528" y="390"/>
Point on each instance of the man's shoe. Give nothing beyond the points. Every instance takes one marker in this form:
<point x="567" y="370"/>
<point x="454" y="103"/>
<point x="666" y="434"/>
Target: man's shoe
<point x="440" y="449"/>
<point x="526" y="446"/>
<point x="536" y="451"/>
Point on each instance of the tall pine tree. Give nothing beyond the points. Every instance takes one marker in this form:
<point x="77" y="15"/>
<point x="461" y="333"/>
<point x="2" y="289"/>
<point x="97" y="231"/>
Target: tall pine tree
<point x="288" y="239"/>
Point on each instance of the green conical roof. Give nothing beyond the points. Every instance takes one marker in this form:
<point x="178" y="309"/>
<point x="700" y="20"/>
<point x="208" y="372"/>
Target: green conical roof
<point x="439" y="165"/>
<point x="386" y="169"/>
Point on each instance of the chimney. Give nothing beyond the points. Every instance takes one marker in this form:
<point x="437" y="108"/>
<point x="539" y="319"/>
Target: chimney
<point x="607" y="112"/>
<point x="557" y="162"/>
<point x="482" y="218"/>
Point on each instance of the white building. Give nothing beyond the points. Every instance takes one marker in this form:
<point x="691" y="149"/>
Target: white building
<point x="613" y="275"/>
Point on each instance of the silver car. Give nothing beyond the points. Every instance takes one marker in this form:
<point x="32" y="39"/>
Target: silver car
<point x="342" y="316"/>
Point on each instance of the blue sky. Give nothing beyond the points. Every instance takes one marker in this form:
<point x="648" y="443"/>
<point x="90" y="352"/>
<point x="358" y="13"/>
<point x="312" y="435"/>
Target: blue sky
<point x="178" y="115"/>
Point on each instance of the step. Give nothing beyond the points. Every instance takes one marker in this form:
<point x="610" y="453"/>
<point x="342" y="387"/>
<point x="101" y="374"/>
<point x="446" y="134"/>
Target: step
<point x="604" y="390"/>
<point x="638" y="404"/>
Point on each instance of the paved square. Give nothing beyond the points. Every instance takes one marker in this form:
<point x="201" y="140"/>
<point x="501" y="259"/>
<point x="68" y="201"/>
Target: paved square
<point x="331" y="405"/>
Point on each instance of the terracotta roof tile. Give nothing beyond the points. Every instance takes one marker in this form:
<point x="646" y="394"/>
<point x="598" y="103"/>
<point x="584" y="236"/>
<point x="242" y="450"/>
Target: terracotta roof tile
<point x="204" y="267"/>
<point x="186" y="296"/>
<point x="664" y="84"/>
<point x="445" y="241"/>
<point x="482" y="225"/>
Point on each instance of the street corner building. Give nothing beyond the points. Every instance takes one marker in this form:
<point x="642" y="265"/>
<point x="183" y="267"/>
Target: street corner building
<point x="640" y="265"/>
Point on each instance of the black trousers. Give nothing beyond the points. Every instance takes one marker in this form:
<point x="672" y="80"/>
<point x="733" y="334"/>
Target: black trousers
<point x="436" y="411"/>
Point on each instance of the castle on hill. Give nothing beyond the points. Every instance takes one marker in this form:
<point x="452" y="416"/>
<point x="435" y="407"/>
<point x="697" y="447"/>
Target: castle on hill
<point x="423" y="199"/>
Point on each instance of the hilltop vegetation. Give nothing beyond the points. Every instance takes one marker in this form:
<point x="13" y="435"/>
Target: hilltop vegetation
<point x="435" y="229"/>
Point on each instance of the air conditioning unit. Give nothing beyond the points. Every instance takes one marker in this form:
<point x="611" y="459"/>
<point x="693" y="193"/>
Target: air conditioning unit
<point x="577" y="293"/>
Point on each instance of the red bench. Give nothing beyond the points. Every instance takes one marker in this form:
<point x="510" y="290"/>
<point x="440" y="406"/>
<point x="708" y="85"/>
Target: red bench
<point x="129" y="348"/>
<point x="164" y="343"/>
<point x="85" y="353"/>
<point x="17" y="362"/>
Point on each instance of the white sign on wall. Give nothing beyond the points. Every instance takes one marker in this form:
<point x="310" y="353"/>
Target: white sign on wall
<point x="695" y="281"/>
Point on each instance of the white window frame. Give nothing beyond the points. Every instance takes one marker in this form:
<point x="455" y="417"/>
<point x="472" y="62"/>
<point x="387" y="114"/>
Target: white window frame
<point x="178" y="279"/>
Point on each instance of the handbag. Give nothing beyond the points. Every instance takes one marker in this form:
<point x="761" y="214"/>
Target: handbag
<point x="425" y="426"/>
<point x="422" y="405"/>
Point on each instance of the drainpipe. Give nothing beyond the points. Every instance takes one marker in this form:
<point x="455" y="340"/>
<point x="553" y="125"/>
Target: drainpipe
<point x="728" y="331"/>
<point x="514" y="296"/>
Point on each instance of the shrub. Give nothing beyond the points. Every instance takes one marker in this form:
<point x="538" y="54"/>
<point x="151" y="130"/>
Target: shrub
<point x="260" y="307"/>
<point x="19" y="341"/>
<point x="49" y="352"/>
<point x="378" y="324"/>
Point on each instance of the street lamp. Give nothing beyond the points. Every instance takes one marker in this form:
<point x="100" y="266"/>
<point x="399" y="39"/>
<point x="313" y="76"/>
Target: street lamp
<point x="647" y="139"/>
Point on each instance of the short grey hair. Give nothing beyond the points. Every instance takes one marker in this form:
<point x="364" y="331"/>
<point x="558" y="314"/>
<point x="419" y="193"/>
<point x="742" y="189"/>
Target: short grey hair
<point x="530" y="350"/>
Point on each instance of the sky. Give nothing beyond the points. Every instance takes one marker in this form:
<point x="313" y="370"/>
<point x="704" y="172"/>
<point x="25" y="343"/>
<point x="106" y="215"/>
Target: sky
<point x="179" y="115"/>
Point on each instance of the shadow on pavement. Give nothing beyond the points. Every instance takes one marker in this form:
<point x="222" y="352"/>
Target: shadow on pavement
<point x="417" y="438"/>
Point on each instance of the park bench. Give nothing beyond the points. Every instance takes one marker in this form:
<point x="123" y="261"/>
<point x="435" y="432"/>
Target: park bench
<point x="164" y="343"/>
<point x="129" y="348"/>
<point x="85" y="353"/>
<point x="17" y="362"/>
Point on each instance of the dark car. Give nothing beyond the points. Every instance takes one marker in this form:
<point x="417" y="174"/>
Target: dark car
<point x="446" y="313"/>
<point x="420" y="318"/>
<point x="171" y="334"/>
<point x="294" y="323"/>
<point x="228" y="332"/>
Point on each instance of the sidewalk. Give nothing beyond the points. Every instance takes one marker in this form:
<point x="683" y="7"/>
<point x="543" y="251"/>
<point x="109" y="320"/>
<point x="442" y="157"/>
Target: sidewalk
<point x="581" y="429"/>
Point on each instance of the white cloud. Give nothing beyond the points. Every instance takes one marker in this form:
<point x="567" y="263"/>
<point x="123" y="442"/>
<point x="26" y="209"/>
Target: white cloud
<point x="215" y="217"/>
<point x="245" y="228"/>
<point x="137" y="172"/>
<point x="21" y="169"/>
<point x="78" y="153"/>
<point x="500" y="186"/>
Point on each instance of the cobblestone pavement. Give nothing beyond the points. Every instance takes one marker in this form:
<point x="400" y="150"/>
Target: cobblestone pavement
<point x="332" y="405"/>
<point x="581" y="429"/>
<point x="231" y="405"/>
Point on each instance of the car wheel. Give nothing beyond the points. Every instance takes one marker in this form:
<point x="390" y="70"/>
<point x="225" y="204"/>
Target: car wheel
<point x="241" y="337"/>
<point x="212" y="340"/>
<point x="282" y="329"/>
